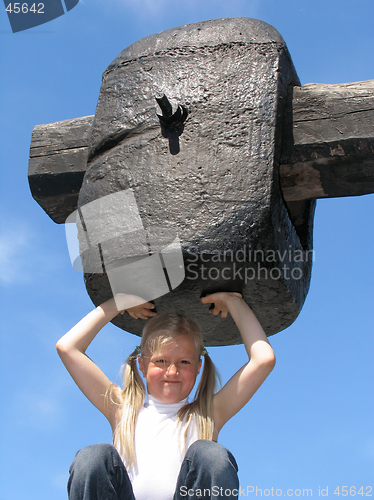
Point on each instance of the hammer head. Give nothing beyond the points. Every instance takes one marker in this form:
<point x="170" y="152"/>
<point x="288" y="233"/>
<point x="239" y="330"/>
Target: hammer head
<point x="188" y="128"/>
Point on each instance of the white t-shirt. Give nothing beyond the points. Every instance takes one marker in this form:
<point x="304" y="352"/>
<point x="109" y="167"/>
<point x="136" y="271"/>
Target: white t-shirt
<point x="160" y="450"/>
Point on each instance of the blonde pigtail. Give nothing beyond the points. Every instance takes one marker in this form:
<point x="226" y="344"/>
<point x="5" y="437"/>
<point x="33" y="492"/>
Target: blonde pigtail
<point x="201" y="409"/>
<point x="133" y="395"/>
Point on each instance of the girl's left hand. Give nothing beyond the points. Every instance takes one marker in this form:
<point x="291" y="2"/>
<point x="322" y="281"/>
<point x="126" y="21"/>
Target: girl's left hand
<point x="220" y="301"/>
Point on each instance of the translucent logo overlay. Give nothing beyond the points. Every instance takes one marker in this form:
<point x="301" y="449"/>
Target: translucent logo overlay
<point x="107" y="235"/>
<point x="28" y="14"/>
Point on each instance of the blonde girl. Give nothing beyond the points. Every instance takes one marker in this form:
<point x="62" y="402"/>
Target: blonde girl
<point x="164" y="446"/>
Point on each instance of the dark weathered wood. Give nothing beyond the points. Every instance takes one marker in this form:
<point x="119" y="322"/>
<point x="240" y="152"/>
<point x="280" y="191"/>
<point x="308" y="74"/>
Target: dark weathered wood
<point x="328" y="150"/>
<point x="58" y="161"/>
<point x="331" y="150"/>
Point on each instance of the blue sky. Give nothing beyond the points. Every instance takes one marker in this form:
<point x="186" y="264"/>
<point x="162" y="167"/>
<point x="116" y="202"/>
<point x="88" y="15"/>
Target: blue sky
<point x="311" y="424"/>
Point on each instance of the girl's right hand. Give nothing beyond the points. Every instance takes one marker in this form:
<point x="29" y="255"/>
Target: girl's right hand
<point x="137" y="307"/>
<point x="142" y="311"/>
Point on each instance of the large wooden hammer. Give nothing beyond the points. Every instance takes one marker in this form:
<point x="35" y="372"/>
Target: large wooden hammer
<point x="207" y="156"/>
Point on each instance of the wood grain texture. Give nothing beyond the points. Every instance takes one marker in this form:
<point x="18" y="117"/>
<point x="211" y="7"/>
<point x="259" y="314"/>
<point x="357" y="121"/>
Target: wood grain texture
<point x="57" y="164"/>
<point x="330" y="152"/>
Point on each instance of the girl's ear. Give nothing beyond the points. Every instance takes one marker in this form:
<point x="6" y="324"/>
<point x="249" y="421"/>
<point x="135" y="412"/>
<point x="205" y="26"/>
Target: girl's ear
<point x="200" y="363"/>
<point x="142" y="366"/>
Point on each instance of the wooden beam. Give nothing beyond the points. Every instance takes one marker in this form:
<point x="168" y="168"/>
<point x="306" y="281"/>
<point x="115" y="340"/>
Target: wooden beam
<point x="58" y="161"/>
<point x="328" y="150"/>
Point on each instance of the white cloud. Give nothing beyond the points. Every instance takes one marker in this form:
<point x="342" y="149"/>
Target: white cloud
<point x="44" y="411"/>
<point x="368" y="448"/>
<point x="26" y="254"/>
<point x="44" y="405"/>
<point x="218" y="8"/>
<point x="142" y="7"/>
<point x="14" y="246"/>
<point x="151" y="6"/>
<point x="59" y="480"/>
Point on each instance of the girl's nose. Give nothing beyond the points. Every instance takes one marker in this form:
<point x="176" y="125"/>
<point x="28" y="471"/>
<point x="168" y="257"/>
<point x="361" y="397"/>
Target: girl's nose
<point x="171" y="369"/>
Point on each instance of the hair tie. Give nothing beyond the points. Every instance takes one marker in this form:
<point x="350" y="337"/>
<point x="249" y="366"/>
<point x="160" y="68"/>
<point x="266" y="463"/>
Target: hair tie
<point x="203" y="351"/>
<point x="138" y="350"/>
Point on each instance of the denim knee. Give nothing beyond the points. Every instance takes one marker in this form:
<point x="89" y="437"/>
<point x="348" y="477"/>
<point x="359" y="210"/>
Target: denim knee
<point x="207" y="467"/>
<point x="210" y="453"/>
<point x="98" y="472"/>
<point x="94" y="458"/>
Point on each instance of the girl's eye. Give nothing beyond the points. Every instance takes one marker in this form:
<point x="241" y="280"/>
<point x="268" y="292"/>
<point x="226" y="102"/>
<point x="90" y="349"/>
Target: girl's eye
<point x="160" y="361"/>
<point x="185" y="362"/>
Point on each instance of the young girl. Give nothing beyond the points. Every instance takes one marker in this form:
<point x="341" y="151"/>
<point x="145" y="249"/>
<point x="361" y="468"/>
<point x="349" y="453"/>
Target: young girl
<point x="165" y="448"/>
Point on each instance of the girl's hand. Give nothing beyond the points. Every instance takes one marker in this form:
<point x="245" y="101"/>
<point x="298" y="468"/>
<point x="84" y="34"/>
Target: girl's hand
<point x="220" y="301"/>
<point x="142" y="311"/>
<point x="137" y="307"/>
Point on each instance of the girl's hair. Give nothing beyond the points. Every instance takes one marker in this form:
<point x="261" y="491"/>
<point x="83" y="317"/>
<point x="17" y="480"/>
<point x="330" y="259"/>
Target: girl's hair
<point x="158" y="332"/>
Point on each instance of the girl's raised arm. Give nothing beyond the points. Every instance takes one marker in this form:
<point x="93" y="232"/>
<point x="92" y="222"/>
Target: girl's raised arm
<point x="261" y="360"/>
<point x="72" y="350"/>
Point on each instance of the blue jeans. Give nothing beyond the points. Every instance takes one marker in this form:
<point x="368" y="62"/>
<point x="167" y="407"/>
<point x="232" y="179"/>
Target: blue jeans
<point x="208" y="471"/>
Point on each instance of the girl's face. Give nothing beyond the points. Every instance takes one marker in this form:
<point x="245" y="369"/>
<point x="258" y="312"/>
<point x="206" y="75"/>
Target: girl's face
<point x="172" y="370"/>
